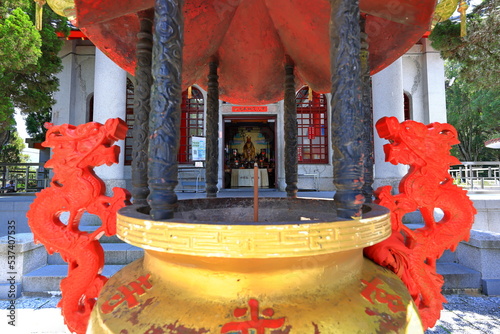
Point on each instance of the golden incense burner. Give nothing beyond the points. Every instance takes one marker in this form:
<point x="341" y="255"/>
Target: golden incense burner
<point x="300" y="270"/>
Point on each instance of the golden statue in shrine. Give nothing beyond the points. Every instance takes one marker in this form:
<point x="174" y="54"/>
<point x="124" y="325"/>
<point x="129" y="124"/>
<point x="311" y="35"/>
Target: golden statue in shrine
<point x="248" y="150"/>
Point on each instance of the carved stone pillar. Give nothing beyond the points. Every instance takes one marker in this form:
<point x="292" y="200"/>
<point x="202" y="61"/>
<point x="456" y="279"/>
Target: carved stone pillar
<point x="290" y="106"/>
<point x="212" y="164"/>
<point x="367" y="118"/>
<point x="142" y="108"/>
<point x="166" y="98"/>
<point x="347" y="125"/>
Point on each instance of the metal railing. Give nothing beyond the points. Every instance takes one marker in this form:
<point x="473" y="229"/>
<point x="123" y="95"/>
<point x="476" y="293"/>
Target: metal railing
<point x="191" y="179"/>
<point x="33" y="177"/>
<point x="23" y="178"/>
<point x="477" y="175"/>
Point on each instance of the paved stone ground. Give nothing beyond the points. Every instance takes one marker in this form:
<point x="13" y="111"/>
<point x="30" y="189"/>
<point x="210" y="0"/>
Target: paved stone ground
<point x="469" y="315"/>
<point x="33" y="315"/>
<point x="463" y="314"/>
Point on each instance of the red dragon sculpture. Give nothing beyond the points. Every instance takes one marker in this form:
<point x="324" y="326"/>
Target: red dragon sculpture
<point x="75" y="189"/>
<point x="412" y="254"/>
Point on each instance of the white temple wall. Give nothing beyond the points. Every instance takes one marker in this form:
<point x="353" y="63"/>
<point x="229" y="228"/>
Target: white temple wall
<point x="413" y="82"/>
<point x="110" y="101"/>
<point x="76" y="84"/>
<point x="387" y="94"/>
<point x="60" y="110"/>
<point x="424" y="81"/>
<point x="85" y="73"/>
<point x="434" y="78"/>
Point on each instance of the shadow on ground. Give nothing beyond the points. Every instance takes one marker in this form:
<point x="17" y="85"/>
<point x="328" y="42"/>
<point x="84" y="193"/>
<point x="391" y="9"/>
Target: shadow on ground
<point x="469" y="314"/>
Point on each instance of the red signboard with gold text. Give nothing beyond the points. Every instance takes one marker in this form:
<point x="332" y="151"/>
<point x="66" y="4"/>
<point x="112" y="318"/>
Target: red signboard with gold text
<point x="250" y="109"/>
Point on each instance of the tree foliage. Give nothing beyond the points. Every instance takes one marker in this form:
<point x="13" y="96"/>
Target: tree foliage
<point x="11" y="151"/>
<point x="15" y="24"/>
<point x="40" y="81"/>
<point x="21" y="42"/>
<point x="28" y="85"/>
<point x="473" y="68"/>
<point x="475" y="113"/>
<point x="479" y="51"/>
<point x="35" y="122"/>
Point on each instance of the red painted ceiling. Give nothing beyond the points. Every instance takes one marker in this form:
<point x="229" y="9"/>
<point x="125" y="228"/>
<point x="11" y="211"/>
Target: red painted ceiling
<point x="252" y="37"/>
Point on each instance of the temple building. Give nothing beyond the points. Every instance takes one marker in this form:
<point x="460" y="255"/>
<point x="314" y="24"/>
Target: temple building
<point x="93" y="88"/>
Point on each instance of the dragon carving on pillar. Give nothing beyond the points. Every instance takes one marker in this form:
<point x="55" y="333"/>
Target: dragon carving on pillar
<point x="74" y="189"/>
<point x="412" y="254"/>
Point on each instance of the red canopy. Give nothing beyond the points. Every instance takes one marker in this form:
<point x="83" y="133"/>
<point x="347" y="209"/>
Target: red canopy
<point x="252" y="37"/>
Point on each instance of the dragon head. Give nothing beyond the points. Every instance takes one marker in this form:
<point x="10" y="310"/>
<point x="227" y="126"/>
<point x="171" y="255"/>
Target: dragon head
<point x="85" y="145"/>
<point x="414" y="143"/>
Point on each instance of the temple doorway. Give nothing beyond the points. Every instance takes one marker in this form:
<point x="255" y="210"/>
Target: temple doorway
<point x="249" y="140"/>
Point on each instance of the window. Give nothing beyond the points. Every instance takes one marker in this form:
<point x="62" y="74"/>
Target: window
<point x="90" y="114"/>
<point x="312" y="123"/>
<point x="192" y="122"/>
<point x="129" y="118"/>
<point x="407" y="109"/>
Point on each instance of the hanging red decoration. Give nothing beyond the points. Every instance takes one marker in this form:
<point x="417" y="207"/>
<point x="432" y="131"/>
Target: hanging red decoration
<point x="412" y="254"/>
<point x="75" y="189"/>
<point x="311" y="132"/>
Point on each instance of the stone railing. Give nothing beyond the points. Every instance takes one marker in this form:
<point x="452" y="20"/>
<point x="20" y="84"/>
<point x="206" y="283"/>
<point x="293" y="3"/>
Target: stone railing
<point x="477" y="175"/>
<point x="23" y="178"/>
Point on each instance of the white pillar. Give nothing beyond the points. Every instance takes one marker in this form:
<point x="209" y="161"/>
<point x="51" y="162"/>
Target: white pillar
<point x="434" y="93"/>
<point x="110" y="93"/>
<point x="387" y="90"/>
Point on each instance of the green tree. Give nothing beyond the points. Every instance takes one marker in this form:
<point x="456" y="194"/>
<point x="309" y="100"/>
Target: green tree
<point x="19" y="46"/>
<point x="473" y="68"/>
<point x="475" y="113"/>
<point x="21" y="42"/>
<point x="36" y="98"/>
<point x="479" y="51"/>
<point x="29" y="85"/>
<point x="11" y="151"/>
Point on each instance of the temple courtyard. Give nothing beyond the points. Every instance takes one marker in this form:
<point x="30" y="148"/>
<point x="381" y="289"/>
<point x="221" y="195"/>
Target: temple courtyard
<point x="467" y="310"/>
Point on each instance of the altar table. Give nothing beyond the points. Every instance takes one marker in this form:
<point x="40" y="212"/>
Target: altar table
<point x="244" y="177"/>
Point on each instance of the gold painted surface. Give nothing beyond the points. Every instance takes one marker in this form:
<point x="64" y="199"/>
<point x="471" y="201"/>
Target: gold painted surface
<point x="64" y="8"/>
<point x="310" y="294"/>
<point x="295" y="278"/>
<point x="251" y="240"/>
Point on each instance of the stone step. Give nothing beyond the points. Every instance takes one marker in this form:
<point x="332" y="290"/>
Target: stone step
<point x="458" y="277"/>
<point x="114" y="253"/>
<point x="448" y="257"/>
<point x="45" y="281"/>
